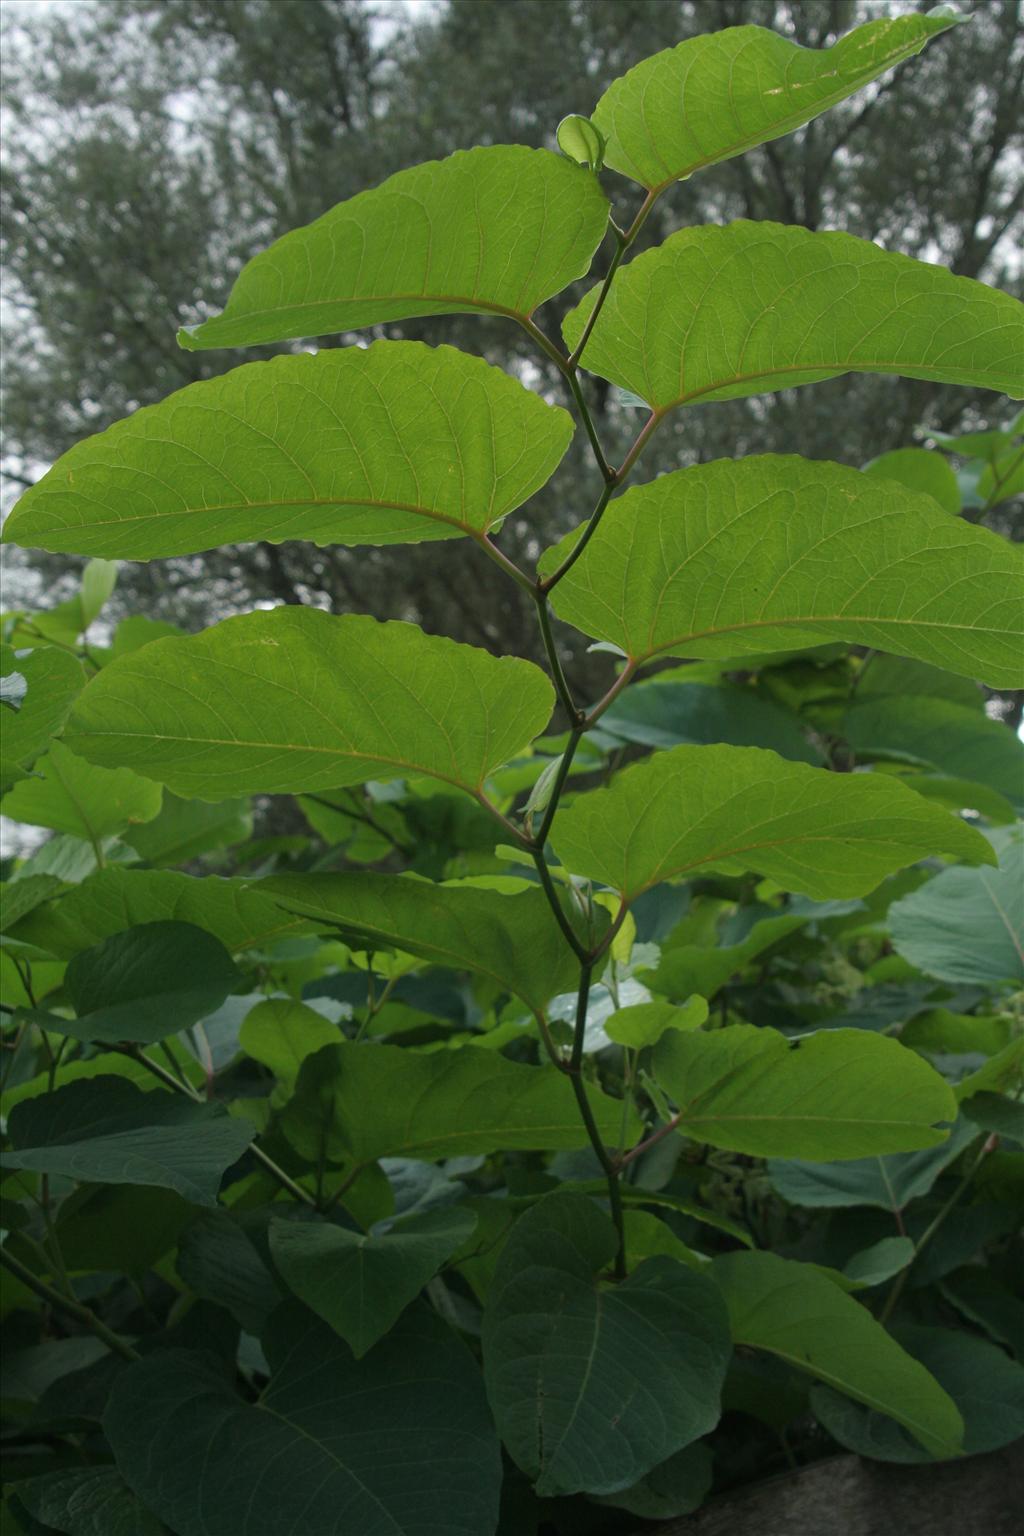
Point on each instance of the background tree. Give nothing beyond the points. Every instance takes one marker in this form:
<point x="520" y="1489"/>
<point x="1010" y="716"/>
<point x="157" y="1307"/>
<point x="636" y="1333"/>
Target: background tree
<point x="153" y="145"/>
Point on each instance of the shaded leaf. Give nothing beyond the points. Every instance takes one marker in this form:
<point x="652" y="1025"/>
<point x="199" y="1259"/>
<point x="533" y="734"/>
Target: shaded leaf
<point x="390" y="444"/>
<point x="219" y="1261"/>
<point x="733" y="809"/>
<point x="74" y="796"/>
<point x="645" y="1023"/>
<point x="185" y="829"/>
<point x="937" y="733"/>
<point x="919" y="470"/>
<point x="594" y="1385"/>
<point x="496" y="230"/>
<point x="772" y="553"/>
<point x="280" y="1033"/>
<point x="296" y="699"/>
<point x="698" y="968"/>
<point x="86" y="1501"/>
<point x="703" y="714"/>
<point x="677" y="1487"/>
<point x="890" y="1183"/>
<point x="718" y="313"/>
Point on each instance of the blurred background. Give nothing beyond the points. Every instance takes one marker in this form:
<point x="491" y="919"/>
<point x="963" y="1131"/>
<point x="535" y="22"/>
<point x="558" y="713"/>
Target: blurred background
<point x="152" y="146"/>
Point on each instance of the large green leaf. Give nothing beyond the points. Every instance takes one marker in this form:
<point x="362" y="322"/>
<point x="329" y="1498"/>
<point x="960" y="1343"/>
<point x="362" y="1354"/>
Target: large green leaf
<point x="357" y="1102"/>
<point x="113" y="899"/>
<point x="842" y="1093"/>
<point x="185" y="829"/>
<point x="360" y="1283"/>
<point x="717" y="313"/>
<point x="987" y="1387"/>
<point x="106" y="1131"/>
<point x="770" y="554"/>
<point x="281" y="1033"/>
<point x="384" y="445"/>
<point x="701" y="714"/>
<point x="297" y="700"/>
<point x="147" y="983"/>
<point x="689" y="968"/>
<point x="52" y="679"/>
<point x="399" y="1443"/>
<point x="593" y="1385"/>
<point x="888" y="1183"/>
<point x="495" y="230"/>
<point x="795" y="1312"/>
<point x="86" y="1501"/>
<point x="713" y="97"/>
<point x="967" y="925"/>
<point x="961" y="742"/>
<point x="733" y="809"/>
<point x="73" y="796"/>
<point x="510" y="938"/>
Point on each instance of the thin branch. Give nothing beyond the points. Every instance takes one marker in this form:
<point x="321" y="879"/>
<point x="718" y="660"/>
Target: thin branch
<point x="66" y="1304"/>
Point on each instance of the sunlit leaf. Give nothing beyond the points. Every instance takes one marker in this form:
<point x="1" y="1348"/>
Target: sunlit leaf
<point x="74" y="796"/>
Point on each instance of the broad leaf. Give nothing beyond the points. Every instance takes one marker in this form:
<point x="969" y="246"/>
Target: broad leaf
<point x="112" y="900"/>
<point x="793" y="1311"/>
<point x="701" y="714"/>
<point x="594" y="1385"/>
<point x="987" y="1387"/>
<point x="700" y="968"/>
<point x="718" y="313"/>
<point x="185" y="829"/>
<point x="147" y="983"/>
<point x="889" y="1183"/>
<point x="770" y="554"/>
<point x="73" y="796"/>
<point x="967" y="925"/>
<point x="838" y="1094"/>
<point x="919" y="470"/>
<point x="106" y="1131"/>
<point x="399" y="1443"/>
<point x="644" y="1023"/>
<point x="512" y="939"/>
<point x="959" y="741"/>
<point x="715" y="96"/>
<point x="52" y="679"/>
<point x="357" y="1103"/>
<point x="219" y="1260"/>
<point x="361" y="1283"/>
<point x="86" y="1501"/>
<point x="388" y="445"/>
<point x="495" y="230"/>
<point x="297" y="700"/>
<point x="677" y="1487"/>
<point x="280" y="1033"/>
<point x="733" y="809"/>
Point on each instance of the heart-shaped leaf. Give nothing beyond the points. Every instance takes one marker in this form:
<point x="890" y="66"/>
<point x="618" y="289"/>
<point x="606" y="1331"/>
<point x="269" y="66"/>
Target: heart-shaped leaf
<point x="52" y="679"/>
<point x="593" y="1385"/>
<point x="88" y="802"/>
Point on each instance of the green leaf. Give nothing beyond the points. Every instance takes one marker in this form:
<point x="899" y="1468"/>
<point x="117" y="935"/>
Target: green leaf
<point x="581" y="140"/>
<point x="112" y="900"/>
<point x="988" y="1390"/>
<point x="842" y="1093"/>
<point x="967" y="925"/>
<point x="919" y="470"/>
<point x="733" y="809"/>
<point x="297" y="700"/>
<point x="594" y="1385"/>
<point x="888" y="1183"/>
<point x="359" y="1102"/>
<point x="20" y="897"/>
<point x="146" y="983"/>
<point x="960" y="742"/>
<point x="219" y="1261"/>
<point x="677" y="1487"/>
<point x="871" y="1266"/>
<point x="796" y="1313"/>
<point x="720" y="313"/>
<point x="107" y="1131"/>
<point x="700" y="714"/>
<point x="512" y="939"/>
<point x="400" y="1442"/>
<point x="768" y="554"/>
<point x="361" y="1283"/>
<point x="385" y="445"/>
<point x="98" y="582"/>
<point x="52" y="679"/>
<point x="185" y="829"/>
<point x="281" y="1033"/>
<point x="715" y="96"/>
<point x="86" y="1501"/>
<point x="697" y="968"/>
<point x="645" y="1023"/>
<point x="493" y="230"/>
<point x="73" y="796"/>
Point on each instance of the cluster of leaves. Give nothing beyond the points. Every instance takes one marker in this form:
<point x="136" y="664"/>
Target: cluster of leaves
<point x="642" y="1087"/>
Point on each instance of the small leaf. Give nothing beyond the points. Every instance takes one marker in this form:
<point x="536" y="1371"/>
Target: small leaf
<point x="86" y="1501"/>
<point x="842" y="1093"/>
<point x="73" y="796"/>
<point x="592" y="1385"/>
<point x="796" y="1313"/>
<point x="147" y="983"/>
<point x="732" y="809"/>
<point x="358" y="1103"/>
<point x="494" y="230"/>
<point x="687" y="968"/>
<point x="106" y="1130"/>
<point x="720" y="313"/>
<point x="645" y="1023"/>
<point x="879" y="1262"/>
<point x="581" y="141"/>
<point x="919" y="470"/>
<point x="98" y="582"/>
<point x="768" y="554"/>
<point x="967" y="925"/>
<point x="400" y="1442"/>
<point x="298" y="700"/>
<point x="185" y="829"/>
<point x="389" y="444"/>
<point x="715" y="96"/>
<point x="13" y="688"/>
<point x="361" y="1283"/>
<point x="280" y="1033"/>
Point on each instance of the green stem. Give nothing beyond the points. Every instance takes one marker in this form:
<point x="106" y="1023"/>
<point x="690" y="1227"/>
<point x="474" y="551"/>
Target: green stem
<point x="584" y="539"/>
<point x="550" y="650"/>
<point x="67" y="1304"/>
<point x="579" y="1088"/>
<point x="569" y="933"/>
<point x="564" y="766"/>
<point x="607" y="472"/>
<point x="623" y="242"/>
